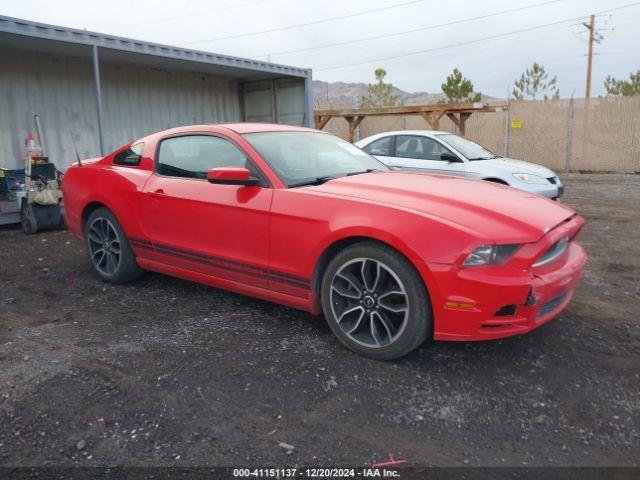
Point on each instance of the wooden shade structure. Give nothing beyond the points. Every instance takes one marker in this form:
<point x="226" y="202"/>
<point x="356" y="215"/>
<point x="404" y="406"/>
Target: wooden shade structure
<point x="458" y="113"/>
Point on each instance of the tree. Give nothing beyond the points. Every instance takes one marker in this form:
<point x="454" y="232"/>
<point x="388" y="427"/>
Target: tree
<point x="535" y="81"/>
<point x="623" y="88"/>
<point x="380" y="93"/>
<point x="459" y="89"/>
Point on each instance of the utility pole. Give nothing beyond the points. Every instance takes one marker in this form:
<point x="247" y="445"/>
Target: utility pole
<point x="591" y="27"/>
<point x="357" y="101"/>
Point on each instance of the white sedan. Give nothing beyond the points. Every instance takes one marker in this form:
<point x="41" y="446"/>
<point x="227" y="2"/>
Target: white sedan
<point x="446" y="153"/>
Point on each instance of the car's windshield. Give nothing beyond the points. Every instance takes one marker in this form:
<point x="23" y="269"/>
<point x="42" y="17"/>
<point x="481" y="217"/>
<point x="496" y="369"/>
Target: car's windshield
<point x="303" y="158"/>
<point x="471" y="150"/>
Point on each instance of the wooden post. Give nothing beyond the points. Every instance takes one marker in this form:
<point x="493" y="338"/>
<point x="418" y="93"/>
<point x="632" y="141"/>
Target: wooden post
<point x="321" y="121"/>
<point x="463" y="121"/>
<point x="454" y="119"/>
<point x="591" y="28"/>
<point x="353" y="124"/>
<point x="460" y="121"/>
<point x="432" y="118"/>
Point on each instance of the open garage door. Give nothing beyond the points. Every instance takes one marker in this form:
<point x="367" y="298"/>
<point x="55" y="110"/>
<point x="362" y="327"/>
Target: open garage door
<point x="282" y="100"/>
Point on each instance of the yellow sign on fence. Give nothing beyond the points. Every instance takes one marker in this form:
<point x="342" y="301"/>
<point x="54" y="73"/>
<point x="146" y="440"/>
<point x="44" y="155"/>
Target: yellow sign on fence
<point x="516" y="124"/>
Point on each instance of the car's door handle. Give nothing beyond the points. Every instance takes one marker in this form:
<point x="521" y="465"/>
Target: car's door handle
<point x="159" y="193"/>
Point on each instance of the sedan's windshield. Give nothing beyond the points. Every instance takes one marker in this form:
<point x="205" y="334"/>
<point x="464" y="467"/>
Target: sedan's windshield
<point x="471" y="150"/>
<point x="306" y="158"/>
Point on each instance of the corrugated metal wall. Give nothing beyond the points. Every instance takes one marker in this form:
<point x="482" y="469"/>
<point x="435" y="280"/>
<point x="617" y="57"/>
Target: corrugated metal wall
<point x="136" y="101"/>
<point x="280" y="101"/>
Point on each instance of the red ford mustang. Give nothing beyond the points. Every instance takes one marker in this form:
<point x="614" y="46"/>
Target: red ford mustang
<point x="306" y="219"/>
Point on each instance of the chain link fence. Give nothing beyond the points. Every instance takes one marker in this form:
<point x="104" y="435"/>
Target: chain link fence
<point x="602" y="135"/>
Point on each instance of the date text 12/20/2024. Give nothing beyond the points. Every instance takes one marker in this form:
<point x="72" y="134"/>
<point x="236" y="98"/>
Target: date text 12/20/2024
<point x="364" y="472"/>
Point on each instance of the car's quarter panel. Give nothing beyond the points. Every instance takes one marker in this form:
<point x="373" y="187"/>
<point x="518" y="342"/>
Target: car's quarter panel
<point x="116" y="187"/>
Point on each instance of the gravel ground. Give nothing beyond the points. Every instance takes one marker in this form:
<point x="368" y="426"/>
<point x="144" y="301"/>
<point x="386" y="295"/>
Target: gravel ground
<point x="166" y="372"/>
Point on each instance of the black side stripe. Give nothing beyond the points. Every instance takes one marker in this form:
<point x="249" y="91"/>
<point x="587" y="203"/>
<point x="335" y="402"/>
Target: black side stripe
<point x="139" y="240"/>
<point x="143" y="244"/>
<point x="225" y="264"/>
<point x="236" y="263"/>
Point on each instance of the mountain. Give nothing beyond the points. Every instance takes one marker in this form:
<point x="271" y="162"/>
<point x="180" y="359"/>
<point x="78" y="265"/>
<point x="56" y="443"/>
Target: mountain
<point x="342" y="95"/>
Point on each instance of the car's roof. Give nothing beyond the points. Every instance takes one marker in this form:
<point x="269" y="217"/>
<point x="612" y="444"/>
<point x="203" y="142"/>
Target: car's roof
<point x="413" y="132"/>
<point x="254" y="127"/>
<point x="237" y="127"/>
<point x="424" y="133"/>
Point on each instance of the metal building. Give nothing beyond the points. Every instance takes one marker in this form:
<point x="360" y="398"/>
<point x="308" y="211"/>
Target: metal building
<point x="103" y="91"/>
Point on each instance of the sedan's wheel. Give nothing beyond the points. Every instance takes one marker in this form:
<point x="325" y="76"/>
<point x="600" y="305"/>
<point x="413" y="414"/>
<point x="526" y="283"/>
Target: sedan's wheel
<point x="108" y="248"/>
<point x="375" y="301"/>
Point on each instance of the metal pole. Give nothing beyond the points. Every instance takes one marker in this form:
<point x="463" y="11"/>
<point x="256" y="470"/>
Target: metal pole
<point x="36" y="120"/>
<point x="274" y="101"/>
<point x="507" y="120"/>
<point x="567" y="164"/>
<point x="96" y="77"/>
<point x="356" y="104"/>
<point x="308" y="90"/>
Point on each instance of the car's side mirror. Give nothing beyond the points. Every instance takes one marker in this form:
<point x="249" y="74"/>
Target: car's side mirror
<point x="449" y="157"/>
<point x="231" y="176"/>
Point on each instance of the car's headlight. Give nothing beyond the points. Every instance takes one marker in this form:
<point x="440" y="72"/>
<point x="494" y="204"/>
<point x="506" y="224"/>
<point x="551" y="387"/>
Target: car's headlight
<point x="490" y="255"/>
<point x="530" y="178"/>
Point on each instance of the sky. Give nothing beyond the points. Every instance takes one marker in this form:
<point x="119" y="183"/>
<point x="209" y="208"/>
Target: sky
<point x="441" y="35"/>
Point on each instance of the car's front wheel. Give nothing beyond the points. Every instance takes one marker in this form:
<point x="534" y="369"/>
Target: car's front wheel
<point x="375" y="301"/>
<point x="108" y="248"/>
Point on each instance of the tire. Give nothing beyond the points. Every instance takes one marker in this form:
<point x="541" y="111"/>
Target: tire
<point x="29" y="224"/>
<point x="102" y="226"/>
<point x="391" y="324"/>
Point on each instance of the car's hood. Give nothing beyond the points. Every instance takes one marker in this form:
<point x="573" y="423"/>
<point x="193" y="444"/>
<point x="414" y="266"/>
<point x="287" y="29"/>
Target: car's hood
<point x="496" y="212"/>
<point x="516" y="166"/>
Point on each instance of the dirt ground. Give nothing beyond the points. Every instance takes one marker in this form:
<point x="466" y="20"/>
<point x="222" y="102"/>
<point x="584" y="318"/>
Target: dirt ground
<point x="166" y="372"/>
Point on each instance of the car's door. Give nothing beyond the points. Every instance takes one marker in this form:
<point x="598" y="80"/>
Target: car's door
<point x="382" y="149"/>
<point x="416" y="152"/>
<point x="220" y="230"/>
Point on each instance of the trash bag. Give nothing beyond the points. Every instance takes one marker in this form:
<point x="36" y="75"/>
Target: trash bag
<point x="49" y="195"/>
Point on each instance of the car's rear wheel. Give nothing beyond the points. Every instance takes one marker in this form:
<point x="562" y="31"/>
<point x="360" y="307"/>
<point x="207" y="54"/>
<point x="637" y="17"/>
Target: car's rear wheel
<point x="108" y="248"/>
<point x="375" y="301"/>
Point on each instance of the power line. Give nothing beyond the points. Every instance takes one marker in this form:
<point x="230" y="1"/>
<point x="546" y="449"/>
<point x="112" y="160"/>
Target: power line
<point x="405" y="32"/>
<point x="316" y="22"/>
<point x="469" y="42"/>
<point x="189" y="15"/>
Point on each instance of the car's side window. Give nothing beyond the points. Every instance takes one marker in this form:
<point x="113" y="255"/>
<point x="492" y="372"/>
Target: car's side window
<point x="382" y="147"/>
<point x="192" y="156"/>
<point x="131" y="156"/>
<point x="422" y="148"/>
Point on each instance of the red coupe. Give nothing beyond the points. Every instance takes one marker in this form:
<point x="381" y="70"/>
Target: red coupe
<point x="306" y="219"/>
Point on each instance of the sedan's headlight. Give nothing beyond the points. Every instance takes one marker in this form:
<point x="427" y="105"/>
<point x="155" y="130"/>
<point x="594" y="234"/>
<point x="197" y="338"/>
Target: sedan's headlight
<point x="530" y="178"/>
<point x="490" y="255"/>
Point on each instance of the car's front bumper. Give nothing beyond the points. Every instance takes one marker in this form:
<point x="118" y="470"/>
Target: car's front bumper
<point x="494" y="302"/>
<point x="553" y="191"/>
